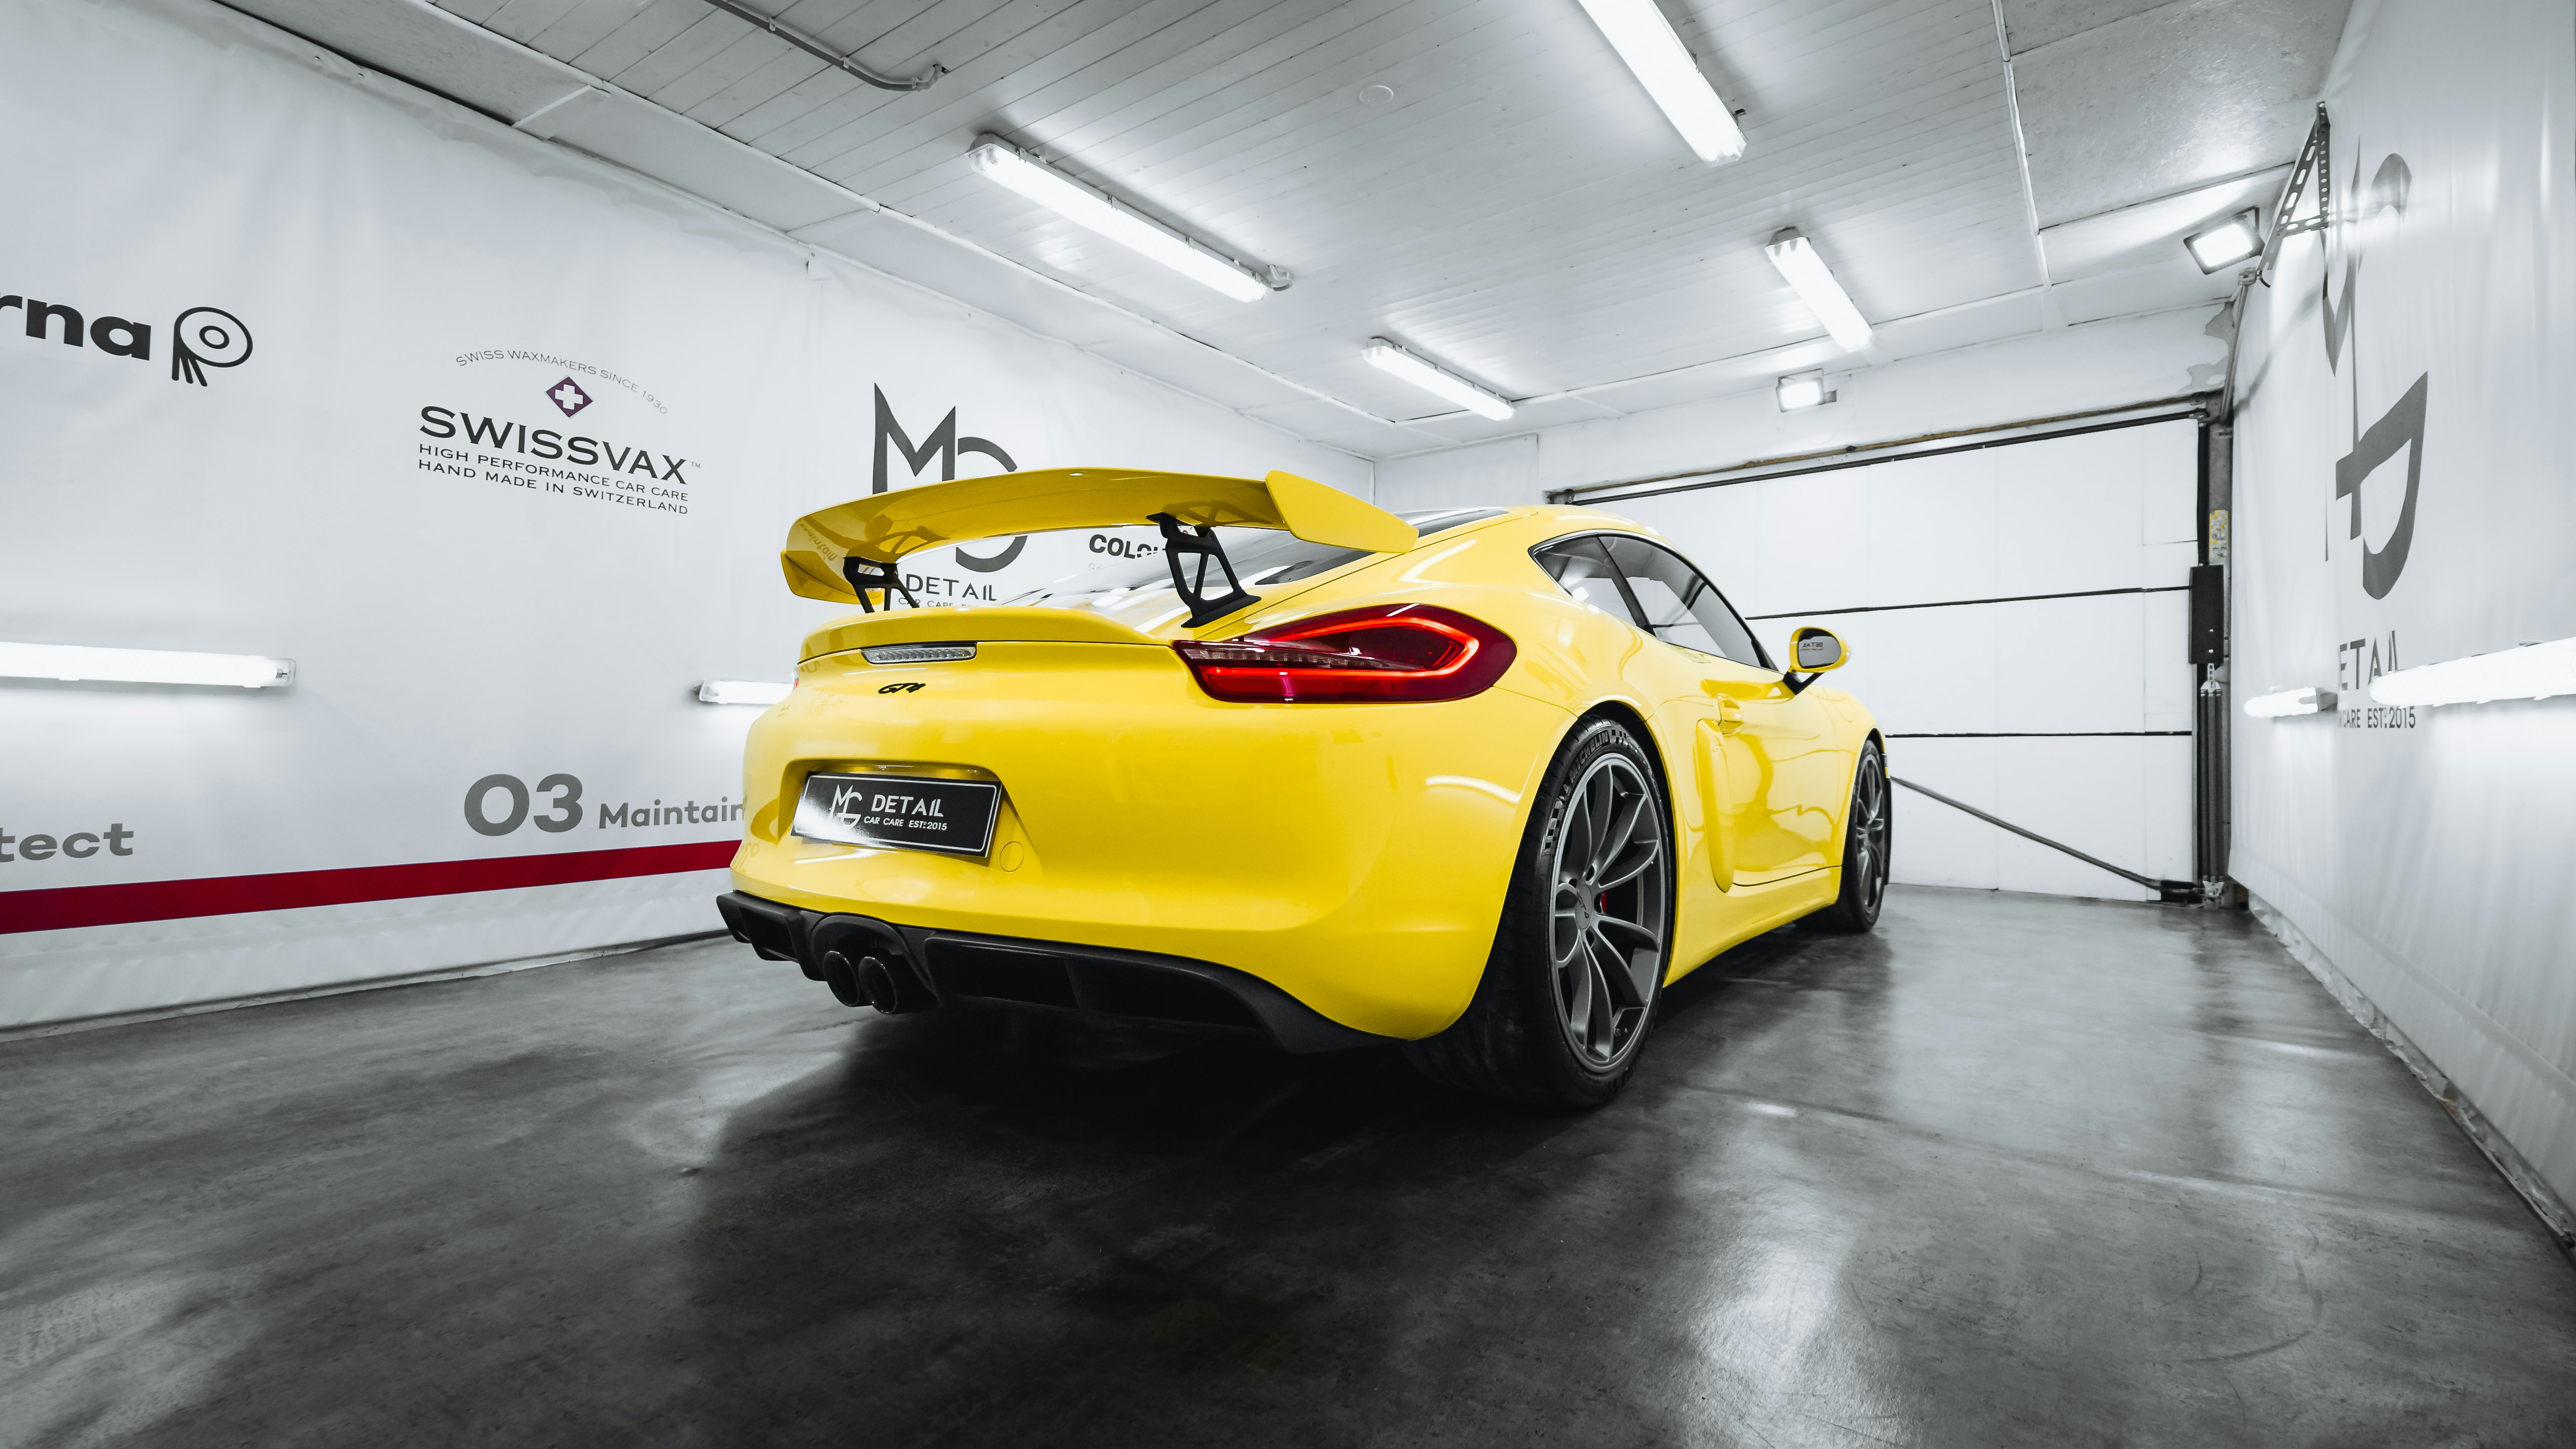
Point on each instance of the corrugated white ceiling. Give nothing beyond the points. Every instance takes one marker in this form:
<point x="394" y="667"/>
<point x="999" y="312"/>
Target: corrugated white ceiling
<point x="1518" y="210"/>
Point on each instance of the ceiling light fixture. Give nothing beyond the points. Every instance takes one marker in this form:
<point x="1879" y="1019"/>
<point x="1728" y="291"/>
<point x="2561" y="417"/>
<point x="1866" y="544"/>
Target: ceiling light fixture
<point x="1000" y="161"/>
<point x="1663" y="65"/>
<point x="1802" y="268"/>
<point x="2534" y="671"/>
<point x="1803" y="390"/>
<point x="80" y="664"/>
<point x="1387" y="357"/>
<point x="742" y="691"/>
<point x="2288" y="702"/>
<point x="2237" y="239"/>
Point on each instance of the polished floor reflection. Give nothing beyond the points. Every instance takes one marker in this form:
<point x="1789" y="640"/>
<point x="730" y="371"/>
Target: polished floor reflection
<point x="2011" y="1171"/>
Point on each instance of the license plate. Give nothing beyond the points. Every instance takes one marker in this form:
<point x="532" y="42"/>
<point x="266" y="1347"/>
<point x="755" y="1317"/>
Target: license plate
<point x="906" y="812"/>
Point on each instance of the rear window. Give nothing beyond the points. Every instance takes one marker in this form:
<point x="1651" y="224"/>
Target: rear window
<point x="1261" y="556"/>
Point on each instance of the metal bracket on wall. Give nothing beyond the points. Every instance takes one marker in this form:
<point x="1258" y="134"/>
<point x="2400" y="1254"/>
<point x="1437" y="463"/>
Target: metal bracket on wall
<point x="2314" y="168"/>
<point x="2170" y="892"/>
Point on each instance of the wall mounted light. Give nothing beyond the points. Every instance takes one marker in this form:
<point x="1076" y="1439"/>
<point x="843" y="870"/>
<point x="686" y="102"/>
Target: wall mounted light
<point x="2237" y="239"/>
<point x="2534" y="671"/>
<point x="1803" y="390"/>
<point x="2290" y="702"/>
<point x="742" y="691"/>
<point x="78" y="663"/>
<point x="1387" y="357"/>
<point x="1803" y="269"/>
<point x="1000" y="161"/>
<point x="1663" y="65"/>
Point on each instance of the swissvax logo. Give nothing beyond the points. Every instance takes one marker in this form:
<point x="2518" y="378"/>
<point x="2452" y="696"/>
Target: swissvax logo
<point x="540" y="455"/>
<point x="198" y="338"/>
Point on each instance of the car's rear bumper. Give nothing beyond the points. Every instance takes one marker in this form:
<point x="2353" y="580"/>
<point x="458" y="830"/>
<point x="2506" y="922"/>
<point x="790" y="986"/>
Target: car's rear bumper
<point x="1355" y="856"/>
<point x="1094" y="982"/>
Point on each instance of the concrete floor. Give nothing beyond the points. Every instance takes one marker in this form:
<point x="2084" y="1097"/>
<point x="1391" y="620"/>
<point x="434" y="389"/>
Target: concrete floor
<point x="2014" y="1170"/>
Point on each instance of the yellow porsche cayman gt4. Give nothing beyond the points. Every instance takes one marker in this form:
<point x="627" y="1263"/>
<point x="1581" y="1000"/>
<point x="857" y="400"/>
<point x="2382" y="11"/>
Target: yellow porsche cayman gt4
<point x="1479" y="781"/>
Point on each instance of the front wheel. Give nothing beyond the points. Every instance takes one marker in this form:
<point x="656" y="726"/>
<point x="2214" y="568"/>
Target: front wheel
<point x="1866" y="837"/>
<point x="1585" y="938"/>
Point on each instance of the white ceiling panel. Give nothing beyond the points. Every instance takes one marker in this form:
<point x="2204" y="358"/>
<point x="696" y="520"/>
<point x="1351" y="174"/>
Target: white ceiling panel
<point x="2173" y="281"/>
<point x="2031" y="24"/>
<point x="1989" y="319"/>
<point x="2170" y="98"/>
<point x="642" y="136"/>
<point x="1518" y="210"/>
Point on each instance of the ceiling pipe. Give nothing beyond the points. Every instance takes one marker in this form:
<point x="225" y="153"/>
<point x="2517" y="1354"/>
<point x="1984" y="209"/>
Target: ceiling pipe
<point x="820" y="51"/>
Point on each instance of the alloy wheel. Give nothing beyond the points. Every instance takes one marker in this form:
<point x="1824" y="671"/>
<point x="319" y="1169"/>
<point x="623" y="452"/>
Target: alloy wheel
<point x="1606" y="914"/>
<point x="1869" y="832"/>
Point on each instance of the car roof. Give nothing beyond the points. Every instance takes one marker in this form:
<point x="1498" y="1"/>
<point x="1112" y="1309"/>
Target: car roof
<point x="1541" y="520"/>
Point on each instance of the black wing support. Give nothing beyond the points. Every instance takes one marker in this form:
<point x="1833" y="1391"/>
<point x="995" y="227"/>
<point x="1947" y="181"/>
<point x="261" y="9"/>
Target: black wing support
<point x="1180" y="539"/>
<point x="865" y="574"/>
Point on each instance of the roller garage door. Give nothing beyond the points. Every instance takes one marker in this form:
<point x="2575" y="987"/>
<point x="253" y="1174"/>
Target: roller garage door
<point x="2017" y="616"/>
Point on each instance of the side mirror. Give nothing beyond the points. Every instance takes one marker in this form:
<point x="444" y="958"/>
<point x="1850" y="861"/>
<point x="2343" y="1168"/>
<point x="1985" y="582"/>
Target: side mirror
<point x="1817" y="650"/>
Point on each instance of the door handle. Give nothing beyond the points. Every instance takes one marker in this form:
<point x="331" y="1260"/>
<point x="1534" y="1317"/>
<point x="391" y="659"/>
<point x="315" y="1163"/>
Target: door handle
<point x="1730" y="716"/>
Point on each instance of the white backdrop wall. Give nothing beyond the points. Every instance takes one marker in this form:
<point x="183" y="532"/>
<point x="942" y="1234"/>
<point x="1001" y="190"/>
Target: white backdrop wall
<point x="415" y="283"/>
<point x="2403" y="496"/>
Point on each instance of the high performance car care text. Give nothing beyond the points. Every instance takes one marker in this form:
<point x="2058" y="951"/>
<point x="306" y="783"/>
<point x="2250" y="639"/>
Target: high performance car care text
<point x="622" y="469"/>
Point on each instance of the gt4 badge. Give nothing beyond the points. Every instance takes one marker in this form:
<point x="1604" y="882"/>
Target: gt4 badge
<point x="906" y="687"/>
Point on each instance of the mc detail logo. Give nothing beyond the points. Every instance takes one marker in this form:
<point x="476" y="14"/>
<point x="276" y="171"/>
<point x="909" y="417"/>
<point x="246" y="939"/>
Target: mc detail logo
<point x="200" y="337"/>
<point x="943" y="445"/>
<point x="2401" y="428"/>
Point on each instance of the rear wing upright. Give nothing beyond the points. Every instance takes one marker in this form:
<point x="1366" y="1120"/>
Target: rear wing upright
<point x="838" y="554"/>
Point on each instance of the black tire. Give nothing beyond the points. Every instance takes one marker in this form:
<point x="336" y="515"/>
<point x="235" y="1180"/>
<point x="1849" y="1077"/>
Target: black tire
<point x="1871" y="831"/>
<point x="1558" y="949"/>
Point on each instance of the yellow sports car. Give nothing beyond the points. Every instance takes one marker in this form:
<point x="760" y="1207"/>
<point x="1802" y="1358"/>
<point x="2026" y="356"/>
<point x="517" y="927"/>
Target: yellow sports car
<point x="1479" y="781"/>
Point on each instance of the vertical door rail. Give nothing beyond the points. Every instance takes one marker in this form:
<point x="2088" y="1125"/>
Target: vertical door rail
<point x="2211" y="718"/>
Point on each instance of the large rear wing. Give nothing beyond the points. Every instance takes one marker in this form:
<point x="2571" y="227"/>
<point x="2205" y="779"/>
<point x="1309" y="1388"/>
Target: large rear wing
<point x="833" y="553"/>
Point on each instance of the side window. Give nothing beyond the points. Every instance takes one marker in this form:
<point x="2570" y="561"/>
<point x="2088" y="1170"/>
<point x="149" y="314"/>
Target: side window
<point x="1680" y="606"/>
<point x="1583" y="570"/>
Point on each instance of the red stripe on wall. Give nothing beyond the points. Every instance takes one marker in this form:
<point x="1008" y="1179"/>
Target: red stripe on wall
<point x="165" y="900"/>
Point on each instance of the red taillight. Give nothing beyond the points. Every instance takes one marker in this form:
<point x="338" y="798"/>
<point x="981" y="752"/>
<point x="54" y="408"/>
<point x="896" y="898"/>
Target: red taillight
<point x="1390" y="652"/>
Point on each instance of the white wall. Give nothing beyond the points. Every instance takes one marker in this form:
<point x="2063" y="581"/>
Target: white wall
<point x="390" y="252"/>
<point x="2426" y="854"/>
<point x="2099" y="364"/>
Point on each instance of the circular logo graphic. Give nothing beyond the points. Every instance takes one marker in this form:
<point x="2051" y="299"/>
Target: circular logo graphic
<point x="207" y="337"/>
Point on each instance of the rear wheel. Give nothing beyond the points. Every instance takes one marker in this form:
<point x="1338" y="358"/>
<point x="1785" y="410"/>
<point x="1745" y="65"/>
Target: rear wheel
<point x="1865" y="851"/>
<point x="1580" y="954"/>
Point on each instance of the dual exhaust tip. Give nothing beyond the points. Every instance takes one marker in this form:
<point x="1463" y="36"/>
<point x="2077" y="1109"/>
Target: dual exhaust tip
<point x="870" y="981"/>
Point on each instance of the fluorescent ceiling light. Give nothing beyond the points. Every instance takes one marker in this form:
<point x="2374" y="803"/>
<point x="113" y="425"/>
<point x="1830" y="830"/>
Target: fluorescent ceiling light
<point x="2534" y="671"/>
<point x="1385" y="356"/>
<point x="1803" y="390"/>
<point x="1645" y="40"/>
<point x="1801" y="268"/>
<point x="142" y="666"/>
<point x="2237" y="239"/>
<point x="1085" y="207"/>
<point x="742" y="691"/>
<point x="2289" y="702"/>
